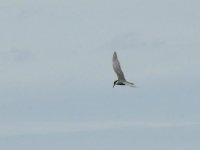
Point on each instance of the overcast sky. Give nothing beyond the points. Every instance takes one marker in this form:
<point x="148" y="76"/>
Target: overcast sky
<point x="56" y="74"/>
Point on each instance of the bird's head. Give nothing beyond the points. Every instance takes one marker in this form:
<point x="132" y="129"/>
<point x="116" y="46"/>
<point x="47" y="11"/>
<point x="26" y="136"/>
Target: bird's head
<point x="115" y="82"/>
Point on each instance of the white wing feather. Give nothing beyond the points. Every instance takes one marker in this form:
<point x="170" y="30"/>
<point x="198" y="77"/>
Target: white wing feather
<point x="117" y="67"/>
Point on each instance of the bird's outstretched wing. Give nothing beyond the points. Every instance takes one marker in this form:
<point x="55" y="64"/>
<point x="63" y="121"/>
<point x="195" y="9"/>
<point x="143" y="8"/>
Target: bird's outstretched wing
<point x="117" y="67"/>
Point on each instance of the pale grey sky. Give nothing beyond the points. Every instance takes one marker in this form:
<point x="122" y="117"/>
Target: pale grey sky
<point x="56" y="74"/>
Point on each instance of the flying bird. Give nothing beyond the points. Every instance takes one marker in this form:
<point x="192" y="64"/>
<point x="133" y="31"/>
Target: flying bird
<point x="117" y="68"/>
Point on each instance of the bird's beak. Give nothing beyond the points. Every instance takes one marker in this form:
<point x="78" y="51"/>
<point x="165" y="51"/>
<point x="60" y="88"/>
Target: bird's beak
<point x="113" y="85"/>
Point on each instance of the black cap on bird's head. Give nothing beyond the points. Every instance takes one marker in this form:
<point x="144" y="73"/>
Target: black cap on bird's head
<point x="114" y="83"/>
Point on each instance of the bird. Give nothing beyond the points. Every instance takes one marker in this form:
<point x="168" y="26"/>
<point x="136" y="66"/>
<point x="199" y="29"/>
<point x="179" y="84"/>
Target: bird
<point x="117" y="68"/>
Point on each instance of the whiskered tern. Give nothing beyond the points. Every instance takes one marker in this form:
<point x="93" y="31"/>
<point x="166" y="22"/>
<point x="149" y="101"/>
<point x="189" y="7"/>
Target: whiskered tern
<point x="117" y="68"/>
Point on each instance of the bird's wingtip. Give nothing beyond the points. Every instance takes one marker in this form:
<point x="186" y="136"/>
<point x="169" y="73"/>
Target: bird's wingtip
<point x="115" y="53"/>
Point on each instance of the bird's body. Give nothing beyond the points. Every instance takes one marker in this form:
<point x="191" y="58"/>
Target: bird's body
<point x="117" y="68"/>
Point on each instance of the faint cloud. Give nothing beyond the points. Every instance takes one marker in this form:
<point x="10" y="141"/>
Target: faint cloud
<point x="15" y="55"/>
<point x="35" y="128"/>
<point x="133" y="40"/>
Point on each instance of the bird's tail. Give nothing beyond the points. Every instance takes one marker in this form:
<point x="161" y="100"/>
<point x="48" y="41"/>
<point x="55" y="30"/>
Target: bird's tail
<point x="130" y="84"/>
